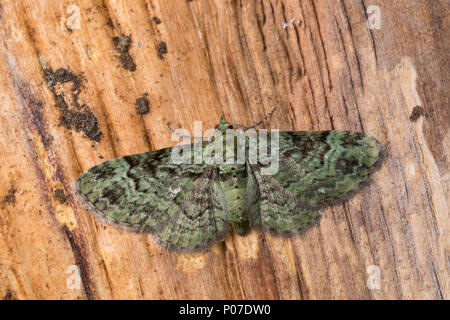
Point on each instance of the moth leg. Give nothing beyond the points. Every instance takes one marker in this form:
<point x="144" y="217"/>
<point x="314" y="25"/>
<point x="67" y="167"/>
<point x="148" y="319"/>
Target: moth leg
<point x="268" y="115"/>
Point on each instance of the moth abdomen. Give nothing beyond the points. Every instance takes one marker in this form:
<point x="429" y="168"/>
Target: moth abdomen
<point x="233" y="181"/>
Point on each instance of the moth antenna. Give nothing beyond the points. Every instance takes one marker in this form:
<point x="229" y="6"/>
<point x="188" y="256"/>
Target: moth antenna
<point x="261" y="121"/>
<point x="184" y="136"/>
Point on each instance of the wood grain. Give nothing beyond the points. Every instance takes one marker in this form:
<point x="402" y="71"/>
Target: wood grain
<point x="324" y="70"/>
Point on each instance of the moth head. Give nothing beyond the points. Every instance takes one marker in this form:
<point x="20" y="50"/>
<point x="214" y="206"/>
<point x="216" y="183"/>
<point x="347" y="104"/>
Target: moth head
<point x="223" y="125"/>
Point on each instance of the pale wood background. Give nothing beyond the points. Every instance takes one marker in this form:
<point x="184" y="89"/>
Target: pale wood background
<point x="326" y="70"/>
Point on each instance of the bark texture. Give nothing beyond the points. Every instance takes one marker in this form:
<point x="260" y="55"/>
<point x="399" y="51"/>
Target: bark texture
<point x="316" y="60"/>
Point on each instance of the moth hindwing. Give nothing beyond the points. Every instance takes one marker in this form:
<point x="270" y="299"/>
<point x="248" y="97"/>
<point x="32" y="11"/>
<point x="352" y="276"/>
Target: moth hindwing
<point x="190" y="206"/>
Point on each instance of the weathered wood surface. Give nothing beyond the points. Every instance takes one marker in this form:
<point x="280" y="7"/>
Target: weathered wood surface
<point x="325" y="70"/>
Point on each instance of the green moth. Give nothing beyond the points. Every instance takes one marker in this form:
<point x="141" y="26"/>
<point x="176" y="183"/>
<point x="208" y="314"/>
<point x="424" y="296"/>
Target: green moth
<point x="191" y="205"/>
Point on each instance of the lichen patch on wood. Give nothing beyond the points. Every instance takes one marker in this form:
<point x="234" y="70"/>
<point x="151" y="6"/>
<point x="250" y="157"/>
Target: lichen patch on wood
<point x="122" y="44"/>
<point x="142" y="104"/>
<point x="162" y="49"/>
<point x="416" y="113"/>
<point x="60" y="195"/>
<point x="73" y="115"/>
<point x="10" y="197"/>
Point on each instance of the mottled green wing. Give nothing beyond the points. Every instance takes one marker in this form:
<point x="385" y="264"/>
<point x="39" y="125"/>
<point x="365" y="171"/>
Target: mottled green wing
<point x="316" y="169"/>
<point x="180" y="204"/>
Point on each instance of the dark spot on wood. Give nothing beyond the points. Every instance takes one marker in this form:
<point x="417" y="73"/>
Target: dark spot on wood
<point x="10" y="197"/>
<point x="61" y="76"/>
<point x="162" y="49"/>
<point x="81" y="121"/>
<point x="416" y="113"/>
<point x="110" y="23"/>
<point x="9" y="295"/>
<point x="123" y="44"/>
<point x="156" y="20"/>
<point x="76" y="116"/>
<point x="60" y="195"/>
<point x="47" y="140"/>
<point x="127" y="61"/>
<point x="143" y="105"/>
